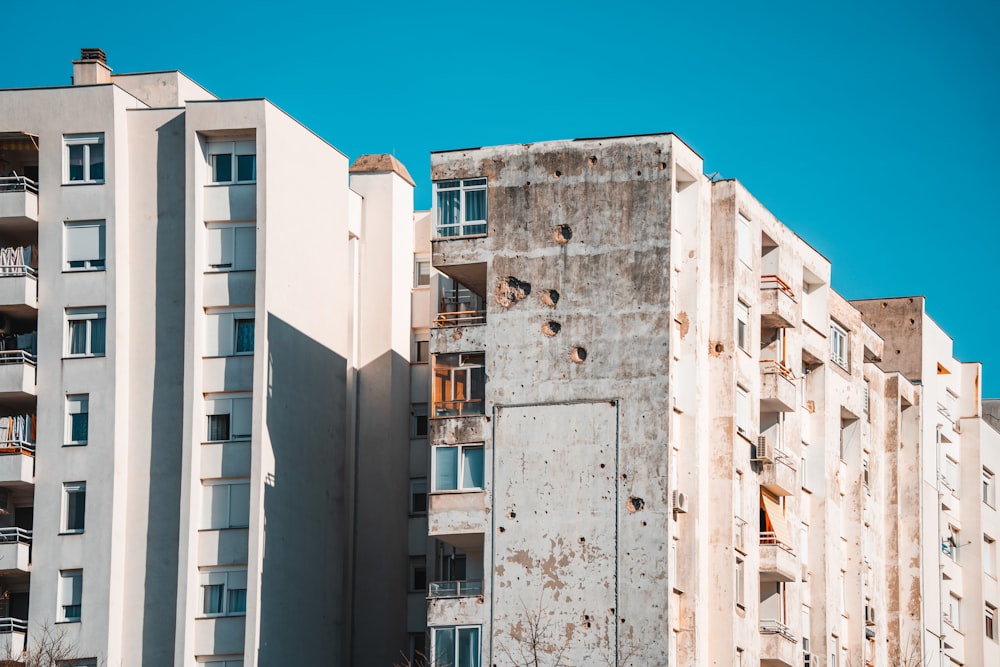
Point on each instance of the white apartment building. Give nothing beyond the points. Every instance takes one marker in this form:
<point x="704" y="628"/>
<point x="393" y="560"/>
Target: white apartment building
<point x="187" y="375"/>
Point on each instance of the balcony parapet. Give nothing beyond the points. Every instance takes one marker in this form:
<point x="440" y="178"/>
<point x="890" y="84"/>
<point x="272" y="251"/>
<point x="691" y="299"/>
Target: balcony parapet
<point x="777" y="387"/>
<point x="778" y="644"/>
<point x="18" y="201"/>
<point x="777" y="559"/>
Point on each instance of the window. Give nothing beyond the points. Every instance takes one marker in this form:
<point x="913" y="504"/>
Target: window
<point x="806" y="654"/>
<point x="743" y="325"/>
<point x="455" y="646"/>
<point x="740" y="583"/>
<point x="951" y="612"/>
<point x="838" y="345"/>
<point x="85" y="332"/>
<point x="865" y="393"/>
<point x="461" y="207"/>
<point x="228" y="332"/>
<point x="991" y="621"/>
<point x="74" y="506"/>
<point x="70" y="595"/>
<point x="421" y="273"/>
<point x="742" y="412"/>
<point x="83" y="245"/>
<point x="216" y="661"/>
<point x="243" y="332"/>
<point x="80" y="662"/>
<point x="989" y="556"/>
<point x="229" y="418"/>
<point x="418" y="648"/>
<point x="225" y="504"/>
<point x="950" y="474"/>
<point x="418" y="420"/>
<point x="233" y="161"/>
<point x="989" y="488"/>
<point x="458" y="467"/>
<point x="224" y="592"/>
<point x="421" y="348"/>
<point x="459" y="384"/>
<point x="866" y="474"/>
<point x="418" y="496"/>
<point x="77" y="419"/>
<point x="232" y="247"/>
<point x="418" y="574"/>
<point x="744" y="250"/>
<point x="84" y="158"/>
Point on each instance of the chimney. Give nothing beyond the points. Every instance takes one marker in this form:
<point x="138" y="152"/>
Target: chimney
<point x="91" y="68"/>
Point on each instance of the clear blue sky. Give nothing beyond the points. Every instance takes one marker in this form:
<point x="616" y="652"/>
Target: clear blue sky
<point x="872" y="129"/>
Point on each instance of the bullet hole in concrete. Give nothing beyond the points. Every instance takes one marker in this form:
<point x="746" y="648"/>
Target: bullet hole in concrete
<point x="624" y="477"/>
<point x="586" y="625"/>
<point x="527" y="182"/>
<point x="583" y="540"/>
<point x="884" y="304"/>
<point x="592" y="160"/>
<point x="502" y="529"/>
<point x="638" y="173"/>
<point x="510" y="290"/>
<point x="512" y="514"/>
<point x="611" y="612"/>
<point x="623" y="620"/>
<point x="602" y="465"/>
<point x="912" y="321"/>
<point x="562" y="234"/>
<point x="550" y="297"/>
<point x="578" y="355"/>
<point x="556" y="174"/>
<point x="644" y="524"/>
<point x="720" y="348"/>
<point x="457" y="335"/>
<point x="551" y="328"/>
<point x="662" y="166"/>
<point x="898" y="351"/>
<point x="635" y="504"/>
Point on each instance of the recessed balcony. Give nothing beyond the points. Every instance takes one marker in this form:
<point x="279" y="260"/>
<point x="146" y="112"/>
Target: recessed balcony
<point x="17" y="376"/>
<point x="15" y="550"/>
<point x="17" y="463"/>
<point x="18" y="205"/>
<point x="778" y="392"/>
<point x="777" y="560"/>
<point x="778" y="645"/>
<point x="778" y="307"/>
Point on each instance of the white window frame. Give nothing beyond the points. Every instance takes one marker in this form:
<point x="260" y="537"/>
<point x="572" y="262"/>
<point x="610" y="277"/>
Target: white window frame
<point x="231" y="579"/>
<point x="217" y="661"/>
<point x="232" y="494"/>
<point x="86" y="315"/>
<point x="460" y="481"/>
<point x="742" y="325"/>
<point x="86" y="141"/>
<point x="216" y="150"/>
<point x="231" y="246"/>
<point x="953" y="612"/>
<point x="76" y="404"/>
<point x="744" y="247"/>
<point x="839" y="346"/>
<point x="464" y="226"/>
<point x="989" y="556"/>
<point x="742" y="412"/>
<point x="70" y="489"/>
<point x="222" y="331"/>
<point x="421" y="277"/>
<point x="70" y="595"/>
<point x="240" y="415"/>
<point x="739" y="593"/>
<point x="989" y="487"/>
<point x="434" y="630"/>
<point x="990" y="620"/>
<point x="71" y="253"/>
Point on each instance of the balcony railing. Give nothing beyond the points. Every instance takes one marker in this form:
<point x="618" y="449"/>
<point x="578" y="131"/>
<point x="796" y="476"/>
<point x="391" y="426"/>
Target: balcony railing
<point x="17" y="447"/>
<point x="460" y="318"/>
<point x="781" y="456"/>
<point x="18" y="184"/>
<point x="8" y="625"/>
<point x="772" y="281"/>
<point x="473" y="406"/>
<point x="454" y="589"/>
<point x="12" y="535"/>
<point x="773" y="627"/>
<point x="769" y="539"/>
<point x="775" y="366"/>
<point x="16" y="357"/>
<point x="17" y="271"/>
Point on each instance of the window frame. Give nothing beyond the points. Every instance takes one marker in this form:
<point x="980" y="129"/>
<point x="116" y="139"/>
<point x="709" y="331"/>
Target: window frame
<point x="464" y="227"/>
<point x="73" y="578"/>
<point x="69" y="490"/>
<point x="456" y="629"/>
<point x="231" y="242"/>
<point x="87" y="315"/>
<point x="460" y="449"/>
<point x="418" y="489"/>
<point x="236" y="149"/>
<point x="421" y="279"/>
<point x="211" y="575"/>
<point x="989" y="482"/>
<point x="840" y="348"/>
<point x="742" y="417"/>
<point x="209" y="488"/>
<point x="99" y="263"/>
<point x="744" y="244"/>
<point x="76" y="404"/>
<point x="419" y="421"/>
<point x="742" y="325"/>
<point x="474" y="402"/>
<point x="990" y="618"/>
<point x="87" y="140"/>
<point x="218" y="404"/>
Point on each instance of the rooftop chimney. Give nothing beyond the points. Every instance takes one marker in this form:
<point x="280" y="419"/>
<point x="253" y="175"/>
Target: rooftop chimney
<point x="92" y="68"/>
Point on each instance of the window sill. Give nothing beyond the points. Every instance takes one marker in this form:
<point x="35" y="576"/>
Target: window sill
<point x="68" y="620"/>
<point x="456" y="238"/>
<point x="83" y="356"/>
<point x="451" y="492"/>
<point x="214" y="270"/>
<point x="75" y="444"/>
<point x="75" y="183"/>
<point x="228" y="356"/>
<point x="217" y="530"/>
<point x="215" y="616"/>
<point x="231" y="441"/>
<point x="225" y="184"/>
<point x="71" y="532"/>
<point x="85" y="270"/>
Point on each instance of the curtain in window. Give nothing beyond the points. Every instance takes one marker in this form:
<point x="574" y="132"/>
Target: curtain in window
<point x="449" y="212"/>
<point x="468" y="647"/>
<point x="76" y="163"/>
<point x="218" y="427"/>
<point x="76" y="504"/>
<point x="78" y="428"/>
<point x="78" y="337"/>
<point x="97" y="162"/>
<point x="475" y="205"/>
<point x="237" y="601"/>
<point x="97" y="333"/>
<point x="445" y="468"/>
<point x="444" y="647"/>
<point x="244" y="335"/>
<point x="472" y="471"/>
<point x="213" y="598"/>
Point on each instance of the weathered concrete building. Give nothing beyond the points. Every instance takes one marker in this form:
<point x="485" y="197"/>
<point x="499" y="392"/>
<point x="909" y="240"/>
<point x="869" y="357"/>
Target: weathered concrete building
<point x="658" y="436"/>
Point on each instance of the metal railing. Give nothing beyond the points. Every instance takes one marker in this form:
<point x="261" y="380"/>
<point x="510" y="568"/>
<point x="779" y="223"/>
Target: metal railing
<point x="781" y="456"/>
<point x="8" y="625"/>
<point x="769" y="539"/>
<point x="772" y="281"/>
<point x="18" y="184"/>
<point x="460" y="318"/>
<point x="13" y="534"/>
<point x="768" y="366"/>
<point x="454" y="589"/>
<point x="16" y="357"/>
<point x="16" y="447"/>
<point x="17" y="271"/>
<point x="774" y="627"/>
<point x="475" y="406"/>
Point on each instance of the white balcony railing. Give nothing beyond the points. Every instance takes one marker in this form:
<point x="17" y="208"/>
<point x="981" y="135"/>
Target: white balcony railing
<point x="13" y="534"/>
<point x="17" y="184"/>
<point x="455" y="589"/>
<point x="768" y="539"/>
<point x="16" y="356"/>
<point x="16" y="447"/>
<point x="774" y="627"/>
<point x="8" y="625"/>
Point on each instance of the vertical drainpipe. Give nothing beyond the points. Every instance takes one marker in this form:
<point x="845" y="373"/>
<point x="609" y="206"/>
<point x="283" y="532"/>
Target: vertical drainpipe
<point x="937" y="512"/>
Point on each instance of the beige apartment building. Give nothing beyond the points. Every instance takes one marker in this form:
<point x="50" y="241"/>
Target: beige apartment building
<point x="659" y="436"/>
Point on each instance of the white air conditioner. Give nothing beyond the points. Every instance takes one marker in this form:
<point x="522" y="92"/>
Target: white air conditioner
<point x="680" y="502"/>
<point x="762" y="452"/>
<point x="869" y="615"/>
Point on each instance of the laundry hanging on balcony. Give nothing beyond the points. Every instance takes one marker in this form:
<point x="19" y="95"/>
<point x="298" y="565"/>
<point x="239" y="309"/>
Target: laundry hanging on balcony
<point x="17" y="259"/>
<point x="17" y="428"/>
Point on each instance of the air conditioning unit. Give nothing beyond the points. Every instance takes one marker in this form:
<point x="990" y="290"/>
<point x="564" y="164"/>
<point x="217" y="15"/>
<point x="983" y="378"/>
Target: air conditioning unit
<point x="869" y="615"/>
<point x="762" y="452"/>
<point x="680" y="502"/>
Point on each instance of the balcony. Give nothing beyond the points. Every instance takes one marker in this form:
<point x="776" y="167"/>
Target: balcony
<point x="778" y="307"/>
<point x="777" y="387"/>
<point x="17" y="376"/>
<point x="19" y="291"/>
<point x="454" y="589"/>
<point x="777" y="560"/>
<point x="12" y="634"/>
<point x="459" y="384"/>
<point x="778" y="645"/>
<point x="460" y="318"/>
<point x="18" y="204"/>
<point x="17" y="463"/>
<point x="779" y="477"/>
<point x="15" y="550"/>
